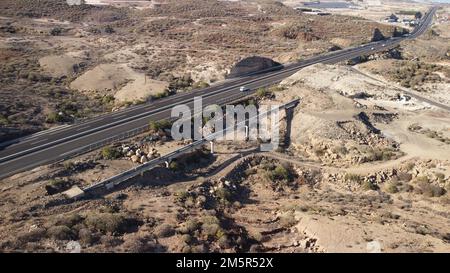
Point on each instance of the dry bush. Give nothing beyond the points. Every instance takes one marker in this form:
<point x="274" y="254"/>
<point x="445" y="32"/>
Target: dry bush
<point x="430" y="190"/>
<point x="288" y="220"/>
<point x="34" y="235"/>
<point x="189" y="227"/>
<point x="67" y="220"/>
<point x="164" y="230"/>
<point x="114" y="223"/>
<point x="60" y="233"/>
<point x="86" y="237"/>
<point x="138" y="244"/>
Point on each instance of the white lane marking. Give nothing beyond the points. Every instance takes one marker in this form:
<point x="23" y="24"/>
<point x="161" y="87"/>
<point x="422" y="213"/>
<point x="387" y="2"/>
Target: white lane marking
<point x="82" y="128"/>
<point x="27" y="140"/>
<point x="74" y="140"/>
<point x="41" y="140"/>
<point x="119" y="117"/>
<point x="189" y="99"/>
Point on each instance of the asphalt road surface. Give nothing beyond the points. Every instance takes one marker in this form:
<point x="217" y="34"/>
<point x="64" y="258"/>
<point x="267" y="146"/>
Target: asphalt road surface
<point x="60" y="143"/>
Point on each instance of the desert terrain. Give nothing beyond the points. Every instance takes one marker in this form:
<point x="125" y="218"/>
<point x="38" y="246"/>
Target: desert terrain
<point x="366" y="167"/>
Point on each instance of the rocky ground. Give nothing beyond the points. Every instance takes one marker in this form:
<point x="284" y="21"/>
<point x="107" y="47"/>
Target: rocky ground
<point x="358" y="177"/>
<point x="61" y="63"/>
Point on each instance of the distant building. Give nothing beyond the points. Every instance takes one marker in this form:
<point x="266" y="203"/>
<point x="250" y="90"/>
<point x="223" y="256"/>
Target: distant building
<point x="75" y="2"/>
<point x="409" y="22"/>
<point x="312" y="11"/>
<point x="391" y="18"/>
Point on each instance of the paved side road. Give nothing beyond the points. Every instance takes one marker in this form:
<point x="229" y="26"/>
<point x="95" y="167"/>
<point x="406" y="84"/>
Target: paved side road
<point x="409" y="92"/>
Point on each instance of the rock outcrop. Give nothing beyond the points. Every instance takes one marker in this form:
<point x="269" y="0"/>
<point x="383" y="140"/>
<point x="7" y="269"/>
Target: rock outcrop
<point x="253" y="64"/>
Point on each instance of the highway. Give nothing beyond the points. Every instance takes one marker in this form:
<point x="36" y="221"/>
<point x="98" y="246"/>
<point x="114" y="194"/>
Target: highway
<point x="63" y="142"/>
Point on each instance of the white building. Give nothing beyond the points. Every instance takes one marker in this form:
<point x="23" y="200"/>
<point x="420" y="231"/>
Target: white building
<point x="75" y="2"/>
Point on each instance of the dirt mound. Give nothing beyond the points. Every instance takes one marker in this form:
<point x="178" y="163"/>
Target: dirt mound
<point x="61" y="65"/>
<point x="120" y="80"/>
<point x="335" y="139"/>
<point x="341" y="79"/>
<point x="309" y="127"/>
<point x="253" y="64"/>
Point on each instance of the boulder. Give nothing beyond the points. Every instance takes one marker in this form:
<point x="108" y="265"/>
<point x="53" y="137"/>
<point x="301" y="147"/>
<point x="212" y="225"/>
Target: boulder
<point x="135" y="158"/>
<point x="253" y="64"/>
<point x="143" y="159"/>
<point x="125" y="150"/>
<point x="377" y="35"/>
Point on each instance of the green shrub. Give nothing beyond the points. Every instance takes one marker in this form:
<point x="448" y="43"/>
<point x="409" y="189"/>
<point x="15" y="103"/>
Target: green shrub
<point x="367" y="185"/>
<point x="200" y="84"/>
<point x="174" y="166"/>
<point x="181" y="83"/>
<point x="381" y="154"/>
<point x="189" y="227"/>
<point x="391" y="187"/>
<point x="108" y="99"/>
<point x="210" y="230"/>
<point x="68" y="165"/>
<point x="407" y="12"/>
<point x="257" y="236"/>
<point x="4" y="120"/>
<point x="110" y="153"/>
<point x="186" y="238"/>
<point x="107" y="222"/>
<point x="56" y="31"/>
<point x="279" y="173"/>
<point x="181" y="196"/>
<point x="223" y="194"/>
<point x="160" y="95"/>
<point x="223" y="241"/>
<point x="54" y="118"/>
<point x="210" y="220"/>
<point x="263" y="93"/>
<point x="422" y="179"/>
<point x="352" y="177"/>
<point x="160" y="125"/>
<point x="57" y="185"/>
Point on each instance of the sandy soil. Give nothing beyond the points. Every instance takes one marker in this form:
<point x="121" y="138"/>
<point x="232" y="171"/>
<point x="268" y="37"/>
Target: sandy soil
<point x="120" y="80"/>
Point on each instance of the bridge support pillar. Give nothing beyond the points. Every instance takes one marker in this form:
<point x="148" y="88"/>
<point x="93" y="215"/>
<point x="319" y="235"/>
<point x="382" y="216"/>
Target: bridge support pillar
<point x="212" y="147"/>
<point x="246" y="132"/>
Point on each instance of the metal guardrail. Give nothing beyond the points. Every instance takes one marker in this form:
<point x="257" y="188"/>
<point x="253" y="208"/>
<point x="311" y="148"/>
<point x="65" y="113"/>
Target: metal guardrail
<point x="125" y="176"/>
<point x="124" y="135"/>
